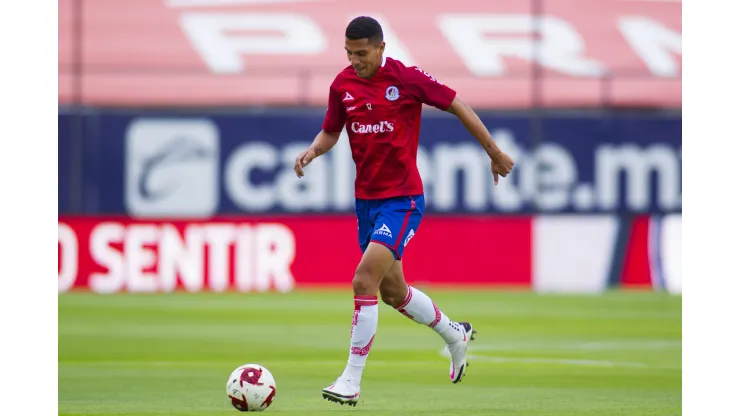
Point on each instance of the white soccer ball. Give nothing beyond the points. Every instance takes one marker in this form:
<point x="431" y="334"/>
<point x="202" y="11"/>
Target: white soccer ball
<point x="251" y="388"/>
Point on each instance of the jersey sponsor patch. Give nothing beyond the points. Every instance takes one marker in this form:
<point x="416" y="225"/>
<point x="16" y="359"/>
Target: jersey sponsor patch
<point x="380" y="127"/>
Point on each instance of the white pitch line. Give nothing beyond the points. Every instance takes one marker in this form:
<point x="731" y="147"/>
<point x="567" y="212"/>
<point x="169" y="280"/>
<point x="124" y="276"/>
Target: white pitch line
<point x="181" y="365"/>
<point x="585" y="345"/>
<point x="567" y="361"/>
<point x="542" y="360"/>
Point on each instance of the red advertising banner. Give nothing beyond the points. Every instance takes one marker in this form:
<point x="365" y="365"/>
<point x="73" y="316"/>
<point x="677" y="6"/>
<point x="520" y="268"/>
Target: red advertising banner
<point x="241" y="52"/>
<point x="110" y="255"/>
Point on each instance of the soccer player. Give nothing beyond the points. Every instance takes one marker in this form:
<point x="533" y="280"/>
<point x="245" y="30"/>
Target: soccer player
<point x="379" y="100"/>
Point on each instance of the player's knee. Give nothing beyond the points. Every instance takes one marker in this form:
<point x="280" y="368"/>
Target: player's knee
<point x="393" y="294"/>
<point x="363" y="286"/>
<point x="390" y="299"/>
<point x="364" y="282"/>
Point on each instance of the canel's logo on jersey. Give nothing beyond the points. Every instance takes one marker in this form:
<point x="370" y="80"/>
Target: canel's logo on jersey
<point x="381" y="127"/>
<point x="391" y="94"/>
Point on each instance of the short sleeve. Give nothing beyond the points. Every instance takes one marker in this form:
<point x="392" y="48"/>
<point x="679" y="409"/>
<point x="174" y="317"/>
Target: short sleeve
<point x="426" y="89"/>
<point x="335" y="113"/>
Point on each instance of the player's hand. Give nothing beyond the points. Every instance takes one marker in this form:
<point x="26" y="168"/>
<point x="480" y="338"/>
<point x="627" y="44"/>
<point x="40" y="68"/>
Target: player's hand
<point x="501" y="164"/>
<point x="303" y="159"/>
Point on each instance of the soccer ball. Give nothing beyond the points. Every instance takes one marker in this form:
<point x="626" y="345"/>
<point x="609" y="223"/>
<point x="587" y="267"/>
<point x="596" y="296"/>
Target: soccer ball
<point x="251" y="388"/>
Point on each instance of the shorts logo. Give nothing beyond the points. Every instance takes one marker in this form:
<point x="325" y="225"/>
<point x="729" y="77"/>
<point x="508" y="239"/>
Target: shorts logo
<point x="391" y="94"/>
<point x="408" y="238"/>
<point x="384" y="230"/>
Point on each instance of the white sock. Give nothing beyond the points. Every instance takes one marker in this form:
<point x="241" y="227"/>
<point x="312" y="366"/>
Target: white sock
<point x="419" y="307"/>
<point x="364" y="325"/>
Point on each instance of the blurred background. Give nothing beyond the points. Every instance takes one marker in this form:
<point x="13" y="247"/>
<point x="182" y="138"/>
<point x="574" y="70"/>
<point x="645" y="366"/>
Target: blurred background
<point x="179" y="121"/>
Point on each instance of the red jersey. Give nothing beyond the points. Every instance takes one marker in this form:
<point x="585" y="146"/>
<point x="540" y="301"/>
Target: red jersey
<point x="382" y="116"/>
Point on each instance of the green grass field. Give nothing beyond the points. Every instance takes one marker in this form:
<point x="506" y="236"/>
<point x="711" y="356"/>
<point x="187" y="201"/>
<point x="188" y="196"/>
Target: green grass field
<point x="614" y="354"/>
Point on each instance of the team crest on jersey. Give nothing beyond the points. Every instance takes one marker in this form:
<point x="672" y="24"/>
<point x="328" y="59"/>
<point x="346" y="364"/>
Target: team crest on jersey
<point x="391" y="93"/>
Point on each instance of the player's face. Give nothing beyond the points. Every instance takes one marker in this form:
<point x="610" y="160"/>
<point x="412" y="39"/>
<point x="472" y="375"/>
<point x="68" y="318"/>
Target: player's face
<point x="364" y="56"/>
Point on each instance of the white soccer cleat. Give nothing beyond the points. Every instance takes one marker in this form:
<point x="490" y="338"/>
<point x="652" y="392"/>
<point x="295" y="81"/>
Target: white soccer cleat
<point x="458" y="352"/>
<point x="342" y="391"/>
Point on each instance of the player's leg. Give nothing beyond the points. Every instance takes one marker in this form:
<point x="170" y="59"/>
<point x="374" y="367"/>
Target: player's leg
<point x="375" y="263"/>
<point x="416" y="305"/>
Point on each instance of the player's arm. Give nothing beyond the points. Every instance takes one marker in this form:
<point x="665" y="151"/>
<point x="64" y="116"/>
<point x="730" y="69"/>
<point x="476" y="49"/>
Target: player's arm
<point x="323" y="142"/>
<point x="329" y="134"/>
<point x="501" y="163"/>
<point x="432" y="92"/>
<point x="475" y="126"/>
